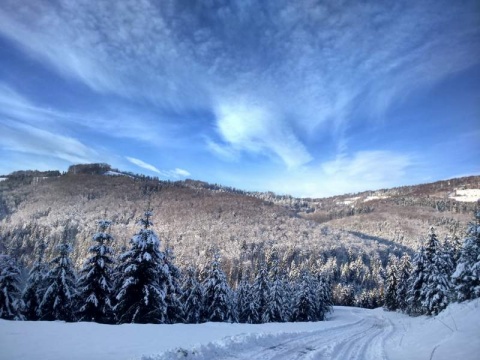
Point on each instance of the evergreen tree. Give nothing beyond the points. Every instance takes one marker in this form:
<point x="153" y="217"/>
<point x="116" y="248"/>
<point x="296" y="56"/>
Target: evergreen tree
<point x="277" y="307"/>
<point x="172" y="278"/>
<point x="35" y="287"/>
<point x="466" y="278"/>
<point x="416" y="283"/>
<point x="260" y="295"/>
<point x="11" y="303"/>
<point x="95" y="283"/>
<point x="403" y="275"/>
<point x="305" y="307"/>
<point x="246" y="307"/>
<point x="218" y="295"/>
<point x="324" y="298"/>
<point x="58" y="299"/>
<point x="141" y="297"/>
<point x="390" y="302"/>
<point x="436" y="293"/>
<point x="192" y="297"/>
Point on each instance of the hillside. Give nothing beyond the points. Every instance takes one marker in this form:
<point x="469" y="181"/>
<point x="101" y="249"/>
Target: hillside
<point x="193" y="217"/>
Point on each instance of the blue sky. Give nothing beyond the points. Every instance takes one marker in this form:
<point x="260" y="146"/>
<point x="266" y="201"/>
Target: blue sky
<point x="310" y="98"/>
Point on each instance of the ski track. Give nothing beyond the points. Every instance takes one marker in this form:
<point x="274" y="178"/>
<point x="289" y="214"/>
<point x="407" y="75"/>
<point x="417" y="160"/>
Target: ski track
<point x="359" y="340"/>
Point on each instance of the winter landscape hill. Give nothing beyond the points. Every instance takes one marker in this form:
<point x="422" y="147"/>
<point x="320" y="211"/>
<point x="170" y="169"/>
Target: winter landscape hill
<point x="206" y="254"/>
<point x="192" y="216"/>
<point x="349" y="236"/>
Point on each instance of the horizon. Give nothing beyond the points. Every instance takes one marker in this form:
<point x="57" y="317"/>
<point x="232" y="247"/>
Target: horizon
<point x="128" y="173"/>
<point x="302" y="99"/>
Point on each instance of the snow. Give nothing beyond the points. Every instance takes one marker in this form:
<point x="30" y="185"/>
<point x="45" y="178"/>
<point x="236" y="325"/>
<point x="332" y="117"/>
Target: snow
<point x="375" y="197"/>
<point x="116" y="173"/>
<point x="3" y="178"/>
<point x="466" y="195"/>
<point x="350" y="333"/>
<point x="348" y="201"/>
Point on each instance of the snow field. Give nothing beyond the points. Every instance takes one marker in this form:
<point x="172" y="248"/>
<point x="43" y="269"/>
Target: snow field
<point x="350" y="333"/>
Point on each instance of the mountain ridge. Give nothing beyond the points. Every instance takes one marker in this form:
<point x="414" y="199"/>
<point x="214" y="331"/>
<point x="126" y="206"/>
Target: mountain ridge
<point x="194" y="217"/>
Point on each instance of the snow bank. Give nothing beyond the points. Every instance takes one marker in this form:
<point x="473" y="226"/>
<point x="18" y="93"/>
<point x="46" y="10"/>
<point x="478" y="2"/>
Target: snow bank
<point x="453" y="334"/>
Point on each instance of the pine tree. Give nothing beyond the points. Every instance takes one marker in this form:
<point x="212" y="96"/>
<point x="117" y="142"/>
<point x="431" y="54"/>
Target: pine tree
<point x="466" y="278"/>
<point x="11" y="303"/>
<point x="260" y="295"/>
<point x="246" y="307"/>
<point x="305" y="306"/>
<point x="141" y="297"/>
<point x="95" y="283"/>
<point x="192" y="297"/>
<point x="403" y="275"/>
<point x="390" y="302"/>
<point x="324" y="298"/>
<point x="35" y="287"/>
<point x="436" y="293"/>
<point x="59" y="298"/>
<point x="416" y="283"/>
<point x="218" y="300"/>
<point x="172" y="277"/>
<point x="277" y="307"/>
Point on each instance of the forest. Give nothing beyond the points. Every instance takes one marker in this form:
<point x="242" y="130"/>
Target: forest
<point x="220" y="254"/>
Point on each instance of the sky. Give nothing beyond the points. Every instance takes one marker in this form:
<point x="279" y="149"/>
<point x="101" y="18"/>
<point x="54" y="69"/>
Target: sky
<point x="308" y="98"/>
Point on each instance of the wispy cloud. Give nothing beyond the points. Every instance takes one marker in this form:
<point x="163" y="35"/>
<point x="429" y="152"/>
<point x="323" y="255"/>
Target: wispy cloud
<point x="28" y="139"/>
<point x="309" y="66"/>
<point x="142" y="164"/>
<point x="364" y="170"/>
<point x="251" y="127"/>
<point x="170" y="174"/>
<point x="285" y="82"/>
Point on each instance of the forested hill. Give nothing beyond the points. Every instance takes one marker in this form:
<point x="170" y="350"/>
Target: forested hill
<point x="339" y="233"/>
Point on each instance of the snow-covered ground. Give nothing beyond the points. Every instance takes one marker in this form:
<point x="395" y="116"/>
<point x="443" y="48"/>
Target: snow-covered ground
<point x="351" y="333"/>
<point x="466" y="195"/>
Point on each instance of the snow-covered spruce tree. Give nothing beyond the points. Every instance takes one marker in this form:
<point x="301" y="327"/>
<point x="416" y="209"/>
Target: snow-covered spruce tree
<point x="58" y="302"/>
<point x="437" y="292"/>
<point x="416" y="283"/>
<point x="324" y="297"/>
<point x="141" y="297"/>
<point x="95" y="282"/>
<point x="260" y="295"/>
<point x="192" y="297"/>
<point x="277" y="307"/>
<point x="391" y="285"/>
<point x="245" y="302"/>
<point x="35" y="287"/>
<point x="218" y="299"/>
<point x="305" y="303"/>
<point x="171" y="276"/>
<point x="11" y="303"/>
<point x="403" y="275"/>
<point x="466" y="278"/>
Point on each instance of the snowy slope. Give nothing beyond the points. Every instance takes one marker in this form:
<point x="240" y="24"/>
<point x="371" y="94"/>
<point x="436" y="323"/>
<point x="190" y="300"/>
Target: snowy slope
<point x="351" y="333"/>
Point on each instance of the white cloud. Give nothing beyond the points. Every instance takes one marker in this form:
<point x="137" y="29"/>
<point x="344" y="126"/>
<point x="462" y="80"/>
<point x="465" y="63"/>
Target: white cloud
<point x="171" y="174"/>
<point x="181" y="172"/>
<point x="19" y="137"/>
<point x="142" y="164"/>
<point x="365" y="170"/>
<point x="309" y="67"/>
<point x="251" y="127"/>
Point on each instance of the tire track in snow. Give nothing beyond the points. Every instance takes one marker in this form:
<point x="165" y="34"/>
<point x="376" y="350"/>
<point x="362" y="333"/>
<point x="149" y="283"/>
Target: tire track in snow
<point x="359" y="340"/>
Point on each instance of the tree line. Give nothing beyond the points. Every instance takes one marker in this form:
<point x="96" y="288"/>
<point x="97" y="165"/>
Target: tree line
<point x="143" y="285"/>
<point x="437" y="275"/>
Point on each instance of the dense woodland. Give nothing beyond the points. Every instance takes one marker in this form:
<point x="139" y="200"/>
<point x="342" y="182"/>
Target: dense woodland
<point x="259" y="248"/>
